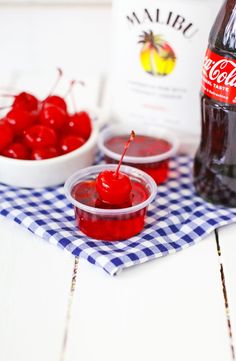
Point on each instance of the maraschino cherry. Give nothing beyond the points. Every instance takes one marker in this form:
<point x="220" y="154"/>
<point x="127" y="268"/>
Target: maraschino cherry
<point x="53" y="99"/>
<point x="54" y="109"/>
<point x="6" y="135"/>
<point x="53" y="116"/>
<point x="79" y="123"/>
<point x="70" y="143"/>
<point x="16" y="151"/>
<point x="44" y="153"/>
<point x="39" y="136"/>
<point x="19" y="119"/>
<point x="114" y="187"/>
<point x="24" y="101"/>
<point x="36" y="129"/>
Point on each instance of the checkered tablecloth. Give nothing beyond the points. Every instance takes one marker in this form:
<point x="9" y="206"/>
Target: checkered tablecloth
<point x="177" y="219"/>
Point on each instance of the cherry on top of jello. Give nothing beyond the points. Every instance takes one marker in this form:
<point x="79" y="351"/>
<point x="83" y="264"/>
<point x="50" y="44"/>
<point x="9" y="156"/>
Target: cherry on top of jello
<point x="85" y="192"/>
<point x="114" y="187"/>
<point x="144" y="145"/>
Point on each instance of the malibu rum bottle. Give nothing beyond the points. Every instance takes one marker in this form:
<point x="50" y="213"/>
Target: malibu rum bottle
<point x="158" y="49"/>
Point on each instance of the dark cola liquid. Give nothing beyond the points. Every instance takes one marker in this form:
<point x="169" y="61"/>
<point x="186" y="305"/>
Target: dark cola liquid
<point x="215" y="161"/>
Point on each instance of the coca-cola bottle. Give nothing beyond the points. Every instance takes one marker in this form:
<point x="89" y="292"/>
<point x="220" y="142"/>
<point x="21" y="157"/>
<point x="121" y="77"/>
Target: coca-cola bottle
<point x="215" y="160"/>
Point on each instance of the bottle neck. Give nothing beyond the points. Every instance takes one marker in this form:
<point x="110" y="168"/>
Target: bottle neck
<point x="223" y="32"/>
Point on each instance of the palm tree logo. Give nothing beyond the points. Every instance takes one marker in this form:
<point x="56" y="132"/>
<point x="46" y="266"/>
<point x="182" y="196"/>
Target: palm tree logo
<point x="157" y="56"/>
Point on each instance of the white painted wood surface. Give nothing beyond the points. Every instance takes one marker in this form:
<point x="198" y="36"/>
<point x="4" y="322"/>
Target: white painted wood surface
<point x="35" y="281"/>
<point x="168" y="309"/>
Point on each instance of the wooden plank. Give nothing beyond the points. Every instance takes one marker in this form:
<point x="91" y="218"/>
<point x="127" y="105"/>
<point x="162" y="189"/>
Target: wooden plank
<point x="168" y="309"/>
<point x="227" y="247"/>
<point x="35" y="281"/>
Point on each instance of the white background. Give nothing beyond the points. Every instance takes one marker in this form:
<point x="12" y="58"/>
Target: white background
<point x="168" y="309"/>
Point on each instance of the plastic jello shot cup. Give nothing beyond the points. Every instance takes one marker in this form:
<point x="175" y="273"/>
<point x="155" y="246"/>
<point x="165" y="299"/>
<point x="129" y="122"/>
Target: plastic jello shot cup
<point x="150" y="151"/>
<point x="103" y="221"/>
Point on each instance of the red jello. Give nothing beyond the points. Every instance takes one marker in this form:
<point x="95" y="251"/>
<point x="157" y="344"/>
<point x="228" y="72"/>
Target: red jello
<point x="150" y="153"/>
<point x="117" y="227"/>
<point x="144" y="146"/>
<point x="104" y="221"/>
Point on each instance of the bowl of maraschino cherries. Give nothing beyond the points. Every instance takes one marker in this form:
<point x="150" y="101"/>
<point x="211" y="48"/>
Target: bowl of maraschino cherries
<point x="110" y="201"/>
<point x="42" y="142"/>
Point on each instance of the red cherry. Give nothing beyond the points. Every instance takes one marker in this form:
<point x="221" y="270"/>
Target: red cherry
<point x="19" y="119"/>
<point x="115" y="187"/>
<point x="80" y="124"/>
<point x="52" y="116"/>
<point x="6" y="135"/>
<point x="26" y="101"/>
<point x="44" y="153"/>
<point x="70" y="143"/>
<point x="57" y="101"/>
<point x="16" y="151"/>
<point x="112" y="188"/>
<point x="40" y="136"/>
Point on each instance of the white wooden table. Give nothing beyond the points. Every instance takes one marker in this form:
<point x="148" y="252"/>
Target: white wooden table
<point x="55" y="307"/>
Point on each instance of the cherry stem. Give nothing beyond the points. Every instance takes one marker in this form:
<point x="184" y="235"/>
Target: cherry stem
<point x="70" y="91"/>
<point x="59" y="75"/>
<point x="131" y="138"/>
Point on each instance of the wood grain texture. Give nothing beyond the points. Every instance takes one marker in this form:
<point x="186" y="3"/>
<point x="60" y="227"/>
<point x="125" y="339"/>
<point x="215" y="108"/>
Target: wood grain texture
<point x="227" y="244"/>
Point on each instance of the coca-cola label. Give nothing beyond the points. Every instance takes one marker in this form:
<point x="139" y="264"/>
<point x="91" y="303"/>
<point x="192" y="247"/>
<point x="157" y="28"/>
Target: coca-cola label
<point x="219" y="78"/>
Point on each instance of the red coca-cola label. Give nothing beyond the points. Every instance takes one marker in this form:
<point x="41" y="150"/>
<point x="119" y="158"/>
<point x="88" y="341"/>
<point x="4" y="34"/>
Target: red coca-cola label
<point x="219" y="78"/>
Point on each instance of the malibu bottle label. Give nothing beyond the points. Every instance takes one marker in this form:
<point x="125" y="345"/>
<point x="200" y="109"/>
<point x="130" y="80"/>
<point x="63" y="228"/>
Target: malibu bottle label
<point x="158" y="49"/>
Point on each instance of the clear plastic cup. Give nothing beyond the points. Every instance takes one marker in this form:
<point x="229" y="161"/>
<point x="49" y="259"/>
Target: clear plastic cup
<point x="157" y="166"/>
<point x="110" y="224"/>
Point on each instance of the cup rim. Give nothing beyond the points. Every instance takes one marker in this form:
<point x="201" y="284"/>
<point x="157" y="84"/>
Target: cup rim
<point x="120" y="129"/>
<point x="93" y="170"/>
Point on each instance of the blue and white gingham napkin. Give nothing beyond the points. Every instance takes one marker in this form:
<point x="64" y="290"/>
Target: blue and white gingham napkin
<point x="177" y="219"/>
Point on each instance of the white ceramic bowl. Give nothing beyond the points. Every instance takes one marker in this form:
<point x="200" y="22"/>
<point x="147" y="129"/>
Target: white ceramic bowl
<point x="53" y="171"/>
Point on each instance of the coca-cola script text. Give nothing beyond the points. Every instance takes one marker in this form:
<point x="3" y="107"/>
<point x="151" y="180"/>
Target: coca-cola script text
<point x="219" y="78"/>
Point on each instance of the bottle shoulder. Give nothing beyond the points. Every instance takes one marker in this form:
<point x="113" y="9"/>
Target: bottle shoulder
<point x="216" y="104"/>
<point x="222" y="52"/>
<point x="223" y="33"/>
